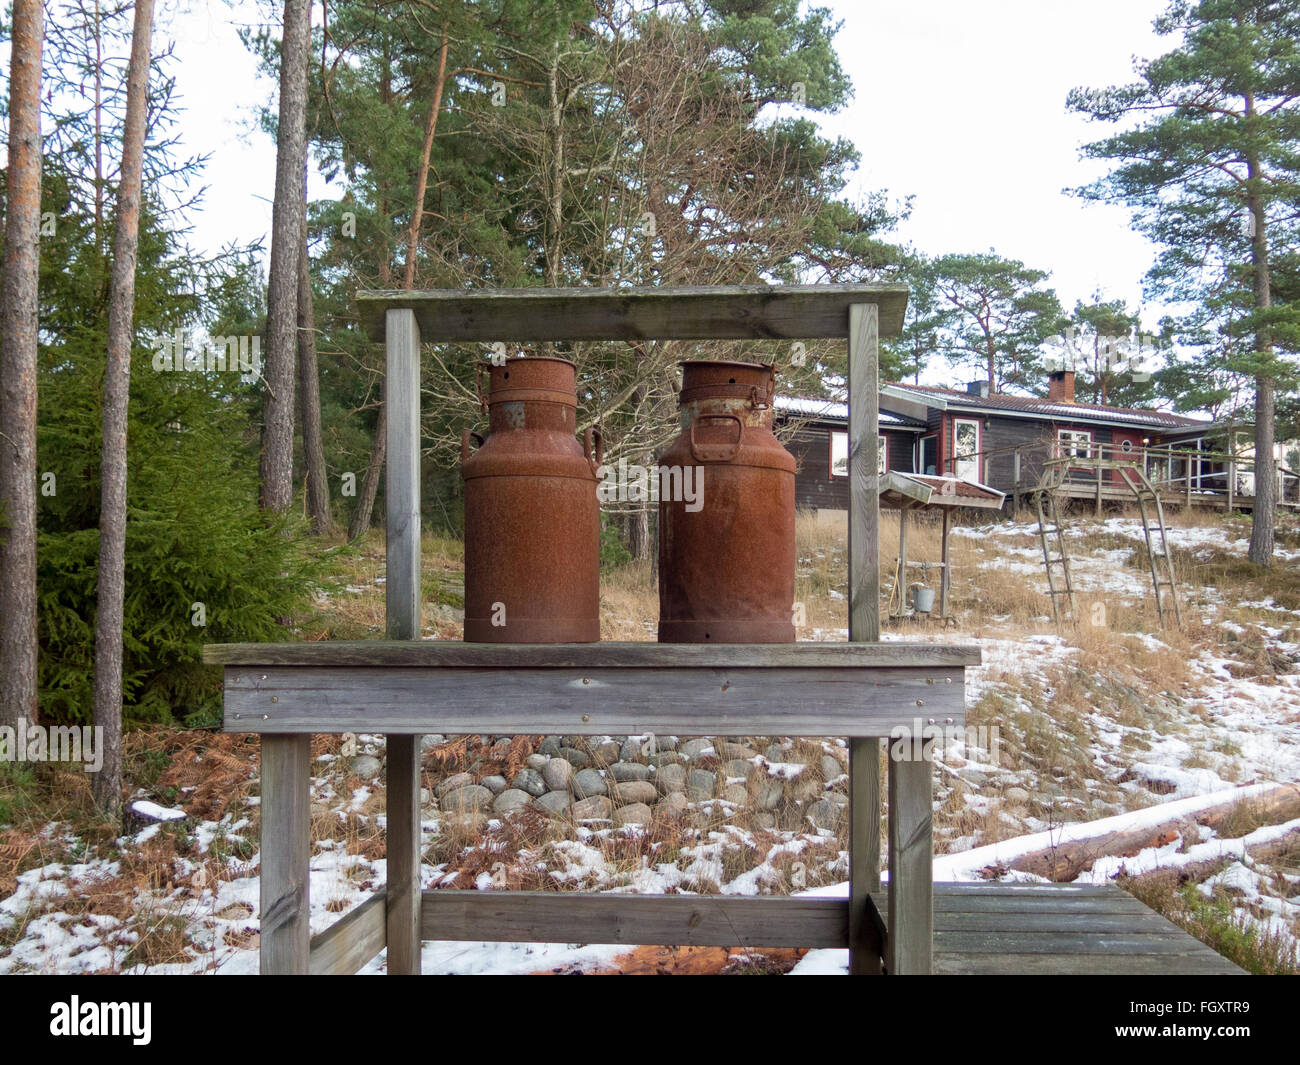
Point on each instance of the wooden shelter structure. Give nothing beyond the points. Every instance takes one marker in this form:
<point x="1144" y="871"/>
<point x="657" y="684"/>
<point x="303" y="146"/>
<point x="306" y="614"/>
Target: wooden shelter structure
<point x="909" y="492"/>
<point x="404" y="687"/>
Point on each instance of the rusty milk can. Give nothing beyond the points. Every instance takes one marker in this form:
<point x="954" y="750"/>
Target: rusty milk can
<point x="532" y="519"/>
<point x="726" y="561"/>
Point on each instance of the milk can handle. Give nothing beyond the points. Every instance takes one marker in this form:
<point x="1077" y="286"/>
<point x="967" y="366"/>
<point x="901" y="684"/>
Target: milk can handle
<point x="464" y="443"/>
<point x="716" y="452"/>
<point x="593" y="446"/>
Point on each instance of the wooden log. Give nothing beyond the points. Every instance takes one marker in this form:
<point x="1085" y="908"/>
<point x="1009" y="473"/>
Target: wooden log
<point x="911" y="906"/>
<point x="669" y="920"/>
<point x="286" y="849"/>
<point x="708" y="702"/>
<point x="711" y="312"/>
<point x="1071" y="859"/>
<point x="350" y="942"/>
<point x="403" y="622"/>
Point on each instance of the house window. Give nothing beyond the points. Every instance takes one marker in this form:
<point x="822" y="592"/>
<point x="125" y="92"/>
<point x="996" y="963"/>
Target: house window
<point x="840" y="454"/>
<point x="1075" y="443"/>
<point x="1126" y="445"/>
<point x="965" y="449"/>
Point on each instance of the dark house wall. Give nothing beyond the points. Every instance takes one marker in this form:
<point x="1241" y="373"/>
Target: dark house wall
<point x="814" y="487"/>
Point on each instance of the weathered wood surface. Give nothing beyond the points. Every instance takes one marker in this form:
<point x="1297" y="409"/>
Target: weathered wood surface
<point x="713" y="312"/>
<point x="978" y="928"/>
<point x="611" y="655"/>
<point x="351" y="941"/>
<point x="678" y="920"/>
<point x="712" y="702"/>
<point x="911" y="850"/>
<point x="865" y="950"/>
<point x="402" y="487"/>
<point x="402" y="622"/>
<point x="286" y="849"/>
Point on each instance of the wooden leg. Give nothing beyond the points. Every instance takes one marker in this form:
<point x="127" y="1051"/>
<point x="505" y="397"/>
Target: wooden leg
<point x="404" y="855"/>
<point x="864" y="854"/>
<point x="286" y="854"/>
<point x="911" y="868"/>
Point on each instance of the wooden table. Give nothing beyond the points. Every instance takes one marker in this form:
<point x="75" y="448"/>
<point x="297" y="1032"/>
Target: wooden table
<point x="288" y="692"/>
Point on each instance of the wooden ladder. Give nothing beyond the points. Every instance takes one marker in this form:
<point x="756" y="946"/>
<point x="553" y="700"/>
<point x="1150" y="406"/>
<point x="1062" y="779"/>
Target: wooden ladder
<point x="1049" y="525"/>
<point x="1162" y="563"/>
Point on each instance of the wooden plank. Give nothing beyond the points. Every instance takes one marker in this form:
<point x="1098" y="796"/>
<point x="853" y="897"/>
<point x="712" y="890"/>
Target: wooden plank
<point x="981" y="942"/>
<point x="911" y="906"/>
<point x="864" y="475"/>
<point x="351" y="941"/>
<point x="670" y="920"/>
<point x="865" y="950"/>
<point x="402" y="487"/>
<point x="403" y="854"/>
<point x="612" y="655"/>
<point x="1083" y="965"/>
<point x="403" y="622"/>
<point x="286" y="848"/>
<point x="712" y="312"/>
<point x="710" y="702"/>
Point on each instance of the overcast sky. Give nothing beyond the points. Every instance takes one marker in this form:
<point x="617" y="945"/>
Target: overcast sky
<point x="960" y="103"/>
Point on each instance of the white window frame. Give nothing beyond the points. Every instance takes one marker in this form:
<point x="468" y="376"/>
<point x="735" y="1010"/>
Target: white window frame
<point x="842" y="440"/>
<point x="970" y="462"/>
<point x="1071" y="443"/>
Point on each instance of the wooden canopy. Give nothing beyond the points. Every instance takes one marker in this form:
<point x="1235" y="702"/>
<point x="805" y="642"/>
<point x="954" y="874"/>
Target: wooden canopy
<point x="732" y="312"/>
<point x="917" y="491"/>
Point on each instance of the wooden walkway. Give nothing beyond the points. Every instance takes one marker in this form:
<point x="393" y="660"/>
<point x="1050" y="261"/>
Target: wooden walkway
<point x="1057" y="930"/>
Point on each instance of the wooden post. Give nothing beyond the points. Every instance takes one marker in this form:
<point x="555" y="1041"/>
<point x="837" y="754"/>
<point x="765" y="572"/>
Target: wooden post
<point x="1015" y="481"/>
<point x="911" y="886"/>
<point x="902" y="558"/>
<point x="1232" y="480"/>
<point x="402" y="617"/>
<point x="286" y="854"/>
<point x="943" y="558"/>
<point x="1100" y="478"/>
<point x="864" y="624"/>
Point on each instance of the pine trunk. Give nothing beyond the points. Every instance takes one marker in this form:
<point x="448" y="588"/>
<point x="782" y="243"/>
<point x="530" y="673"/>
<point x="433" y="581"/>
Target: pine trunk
<point x="313" y="446"/>
<point x="117" y="394"/>
<point x="18" y="329"/>
<point x="276" y="467"/>
<point x="370" y="486"/>
<point x="1263" y="515"/>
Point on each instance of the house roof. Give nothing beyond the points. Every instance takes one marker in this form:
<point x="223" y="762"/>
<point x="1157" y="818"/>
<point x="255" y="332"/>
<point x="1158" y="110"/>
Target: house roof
<point x="829" y="410"/>
<point x="922" y="491"/>
<point x="1038" y="408"/>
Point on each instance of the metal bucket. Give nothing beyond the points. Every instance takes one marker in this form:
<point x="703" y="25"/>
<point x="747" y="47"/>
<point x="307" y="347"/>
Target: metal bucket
<point x="532" y="519"/>
<point x="922" y="599"/>
<point x="726" y="569"/>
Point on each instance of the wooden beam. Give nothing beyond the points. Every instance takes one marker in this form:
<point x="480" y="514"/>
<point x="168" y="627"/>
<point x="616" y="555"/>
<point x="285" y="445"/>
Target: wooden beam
<point x="403" y="622"/>
<point x="452" y="654"/>
<point x="350" y="942"/>
<point x="911" y="887"/>
<point x="820" y="701"/>
<point x="712" y="312"/>
<point x="286" y="849"/>
<point x="864" y="625"/>
<point x="675" y="920"/>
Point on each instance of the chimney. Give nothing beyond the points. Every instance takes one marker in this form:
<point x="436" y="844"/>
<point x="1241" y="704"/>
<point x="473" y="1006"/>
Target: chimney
<point x="1060" y="386"/>
<point x="978" y="388"/>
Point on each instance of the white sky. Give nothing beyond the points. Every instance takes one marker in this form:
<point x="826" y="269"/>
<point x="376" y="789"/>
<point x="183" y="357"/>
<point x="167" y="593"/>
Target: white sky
<point x="960" y="103"/>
